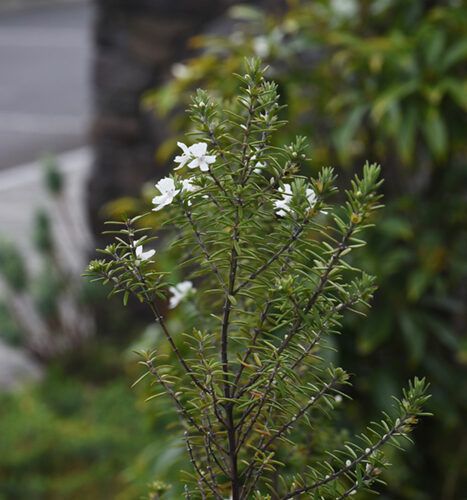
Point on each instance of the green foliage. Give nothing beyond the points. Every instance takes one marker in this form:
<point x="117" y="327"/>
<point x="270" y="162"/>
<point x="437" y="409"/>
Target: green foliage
<point x="384" y="80"/>
<point x="270" y="253"/>
<point x="43" y="238"/>
<point x="12" y="266"/>
<point x="68" y="439"/>
<point x="53" y="179"/>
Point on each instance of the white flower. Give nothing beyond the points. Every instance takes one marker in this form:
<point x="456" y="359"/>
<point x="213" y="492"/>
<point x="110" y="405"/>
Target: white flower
<point x="195" y="155"/>
<point x="261" y="46"/>
<point x="188" y="187"/>
<point x="344" y="8"/>
<point x="283" y="206"/>
<point x="258" y="167"/>
<point x="312" y="200"/>
<point x="166" y="187"/>
<point x="185" y="157"/>
<point x="140" y="253"/>
<point x="180" y="71"/>
<point x="200" y="158"/>
<point x="311" y="196"/>
<point x="179" y="292"/>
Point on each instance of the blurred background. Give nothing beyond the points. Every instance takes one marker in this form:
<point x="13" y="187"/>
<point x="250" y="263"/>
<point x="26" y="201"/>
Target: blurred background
<point x="92" y="100"/>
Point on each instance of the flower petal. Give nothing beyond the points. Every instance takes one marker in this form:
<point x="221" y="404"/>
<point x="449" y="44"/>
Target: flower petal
<point x="165" y="185"/>
<point x="194" y="163"/>
<point x="203" y="165"/>
<point x="199" y="149"/>
<point x="184" y="148"/>
<point x="210" y="158"/>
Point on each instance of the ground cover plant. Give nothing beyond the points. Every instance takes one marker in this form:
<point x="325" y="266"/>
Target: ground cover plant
<point x="269" y="257"/>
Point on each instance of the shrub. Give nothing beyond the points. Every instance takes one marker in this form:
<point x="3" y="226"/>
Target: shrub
<point x="271" y="261"/>
<point x="383" y="80"/>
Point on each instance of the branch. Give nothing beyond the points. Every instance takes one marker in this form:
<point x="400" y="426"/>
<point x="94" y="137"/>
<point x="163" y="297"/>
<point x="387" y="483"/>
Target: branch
<point x="285" y="427"/>
<point x="280" y="432"/>
<point x="272" y="259"/>
<point x="202" y="476"/>
<point x="311" y="302"/>
<point x="171" y="393"/>
<point x="204" y="249"/>
<point x="253" y="342"/>
<point x="351" y="465"/>
<point x="188" y="370"/>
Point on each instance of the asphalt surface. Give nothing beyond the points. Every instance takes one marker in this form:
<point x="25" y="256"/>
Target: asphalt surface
<point x="45" y="100"/>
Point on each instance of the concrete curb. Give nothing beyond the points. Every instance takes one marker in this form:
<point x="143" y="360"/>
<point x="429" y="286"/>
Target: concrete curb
<point x="18" y="5"/>
<point x="22" y="192"/>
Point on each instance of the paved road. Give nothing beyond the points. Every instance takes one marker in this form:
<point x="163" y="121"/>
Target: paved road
<point x="45" y="55"/>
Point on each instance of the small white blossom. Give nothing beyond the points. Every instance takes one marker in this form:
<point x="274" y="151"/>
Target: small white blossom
<point x="200" y="158"/>
<point x="185" y="157"/>
<point x="258" y="167"/>
<point x="188" y="187"/>
<point x="195" y="156"/>
<point x="261" y="46"/>
<point x="338" y="399"/>
<point x="179" y="292"/>
<point x="166" y="187"/>
<point x="141" y="254"/>
<point x="344" y="8"/>
<point x="348" y="463"/>
<point x="283" y="206"/>
<point x="180" y="71"/>
<point x="311" y="197"/>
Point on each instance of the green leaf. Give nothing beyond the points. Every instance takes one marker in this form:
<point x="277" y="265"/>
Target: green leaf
<point x="455" y="54"/>
<point x="434" y="46"/>
<point x="391" y="96"/>
<point x="415" y="336"/>
<point x="436" y="134"/>
<point x="346" y="133"/>
<point x="457" y="89"/>
<point x="406" y="133"/>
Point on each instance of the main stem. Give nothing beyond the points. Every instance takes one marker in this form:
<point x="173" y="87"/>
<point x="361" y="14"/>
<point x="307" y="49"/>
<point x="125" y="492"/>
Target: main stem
<point x="234" y="478"/>
<point x="229" y="406"/>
